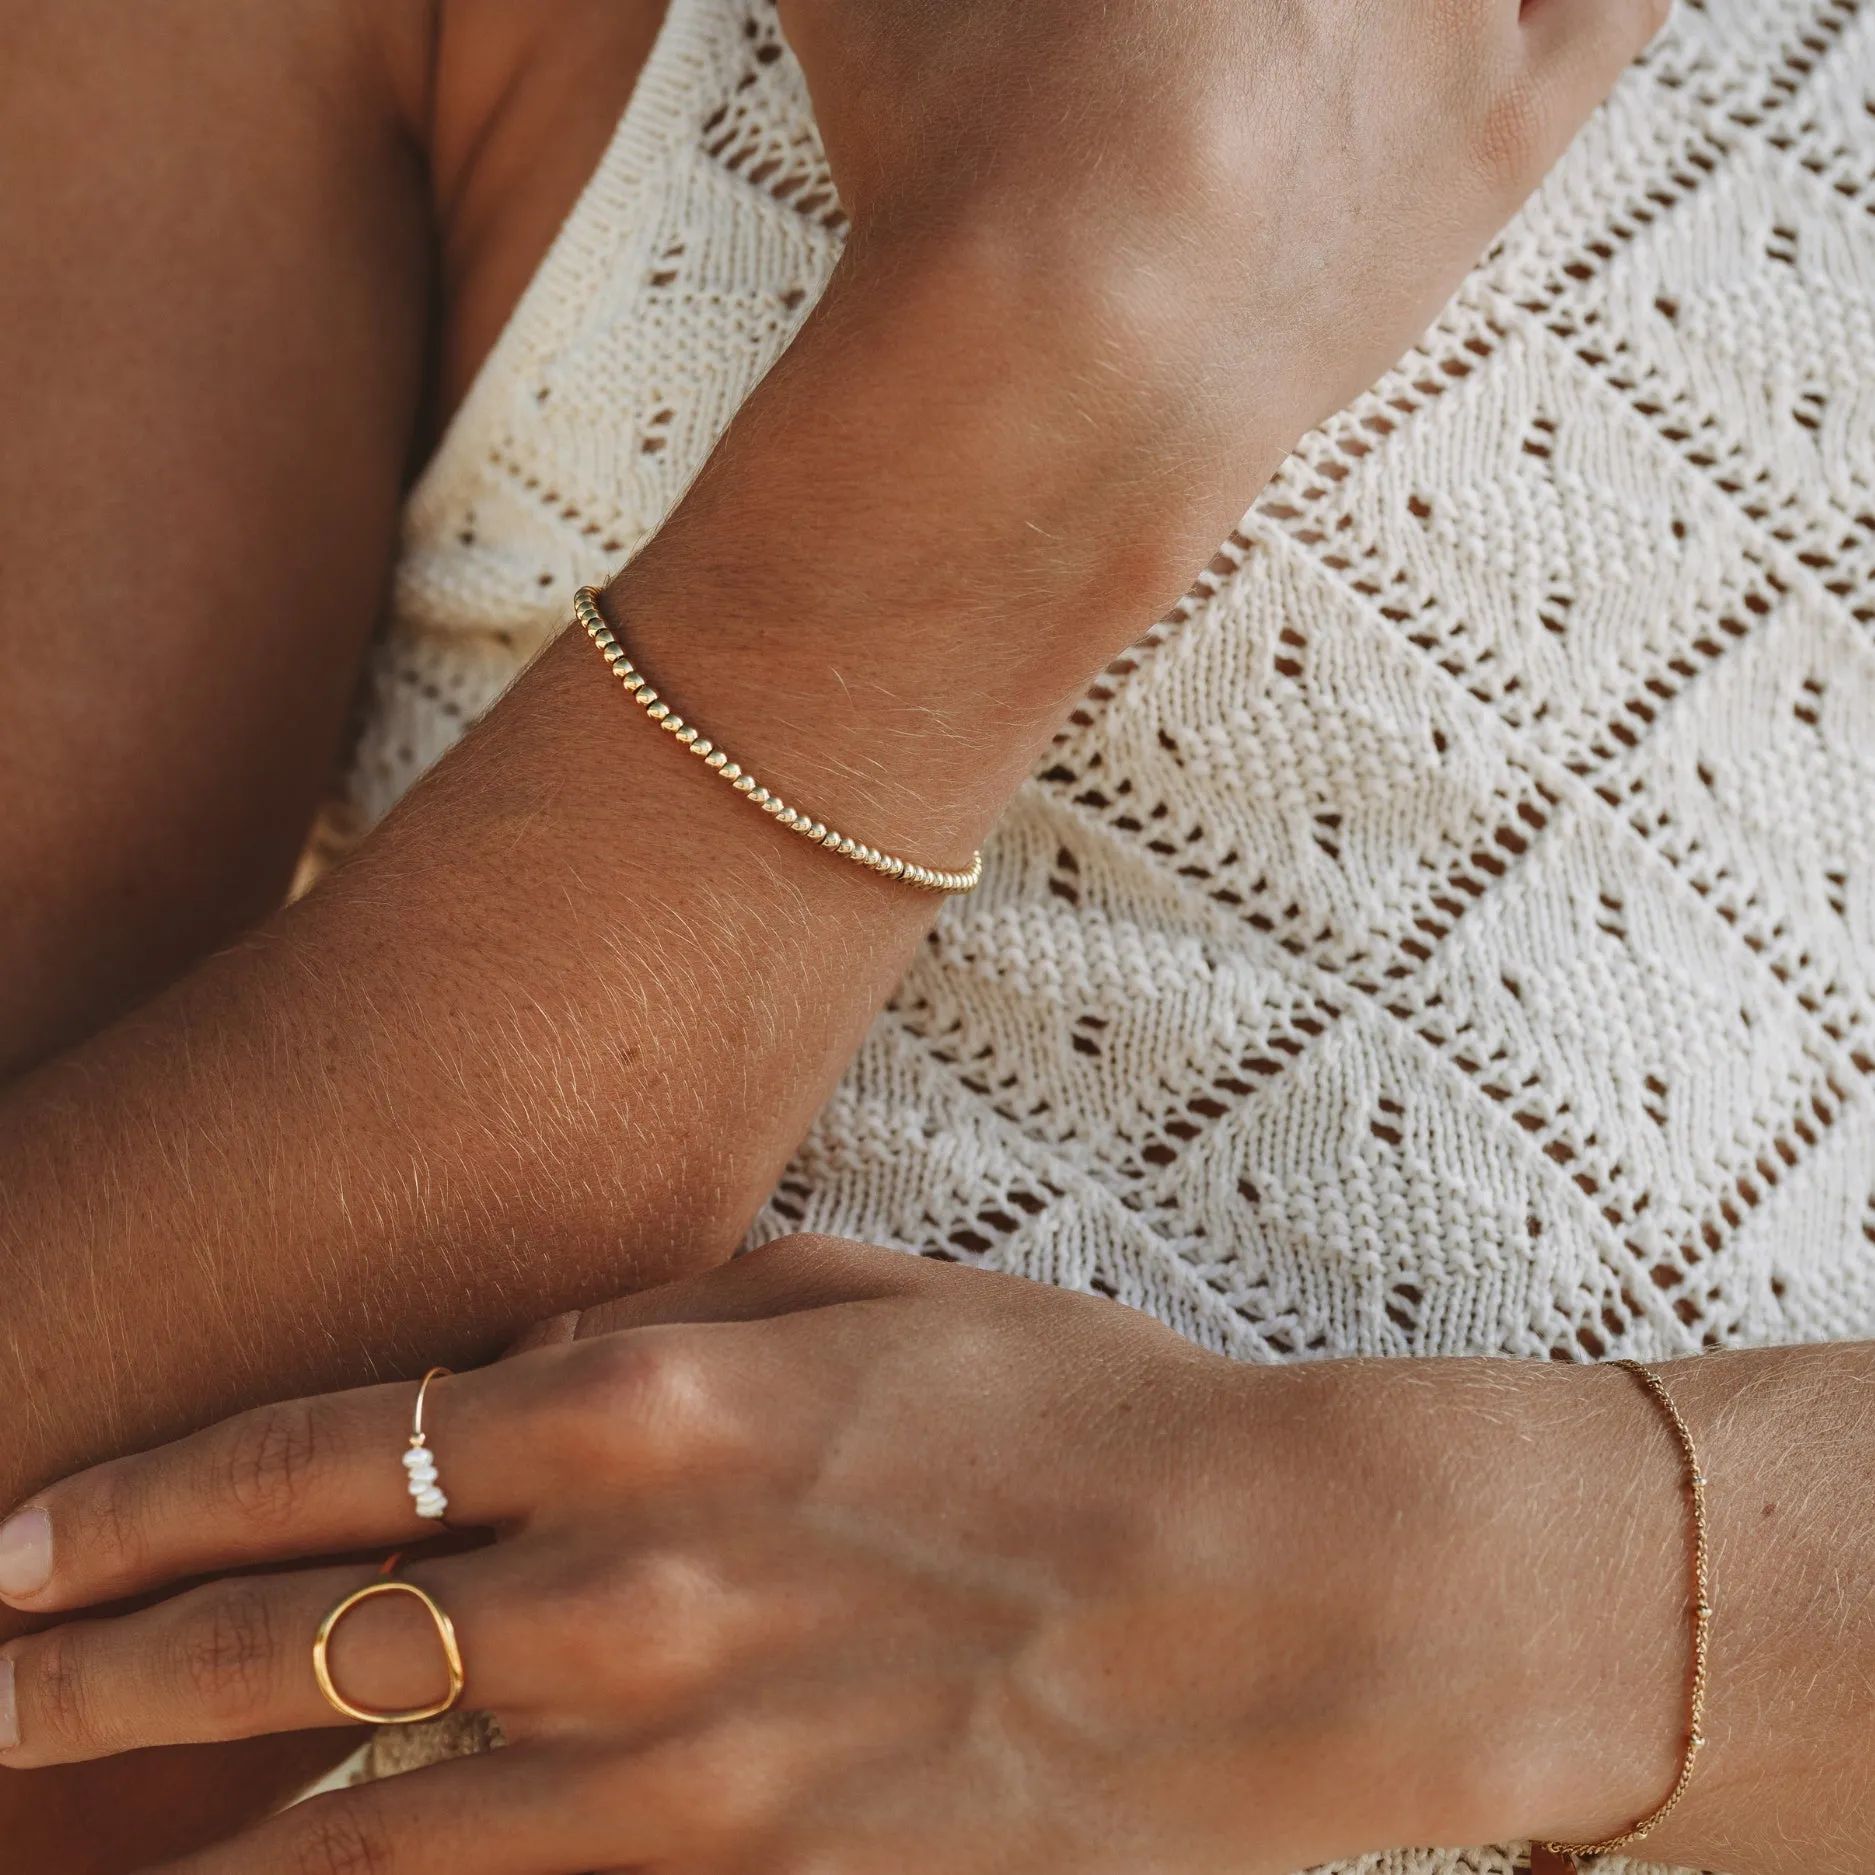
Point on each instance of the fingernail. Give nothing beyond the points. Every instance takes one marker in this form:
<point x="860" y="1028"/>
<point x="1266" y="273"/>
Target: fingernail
<point x="9" y="1709"/>
<point x="25" y="1552"/>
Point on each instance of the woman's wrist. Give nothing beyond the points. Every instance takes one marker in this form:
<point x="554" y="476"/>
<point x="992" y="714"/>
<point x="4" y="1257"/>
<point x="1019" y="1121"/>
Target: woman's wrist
<point x="1523" y="1542"/>
<point x="1493" y="1556"/>
<point x="933" y="524"/>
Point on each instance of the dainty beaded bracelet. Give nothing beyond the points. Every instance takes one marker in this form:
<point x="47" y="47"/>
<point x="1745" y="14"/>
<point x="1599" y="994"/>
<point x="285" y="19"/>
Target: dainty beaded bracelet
<point x="1550" y="1855"/>
<point x="890" y="866"/>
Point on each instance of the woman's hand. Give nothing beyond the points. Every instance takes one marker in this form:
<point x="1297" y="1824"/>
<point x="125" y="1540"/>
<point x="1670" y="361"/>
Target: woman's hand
<point x="836" y="1559"/>
<point x="1278" y="197"/>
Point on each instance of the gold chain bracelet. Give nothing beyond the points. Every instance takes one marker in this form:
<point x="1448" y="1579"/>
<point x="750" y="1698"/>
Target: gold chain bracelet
<point x="1702" y="1635"/>
<point x="888" y="865"/>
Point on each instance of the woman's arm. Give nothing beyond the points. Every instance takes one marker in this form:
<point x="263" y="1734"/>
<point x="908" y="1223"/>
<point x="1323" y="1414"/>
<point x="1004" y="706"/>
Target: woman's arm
<point x="560" y="1024"/>
<point x="563" y="1020"/>
<point x="839" y="1559"/>
<point x="556" y="1030"/>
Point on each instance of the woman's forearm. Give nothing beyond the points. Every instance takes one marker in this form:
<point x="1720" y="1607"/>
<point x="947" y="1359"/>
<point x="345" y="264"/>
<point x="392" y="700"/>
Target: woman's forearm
<point x="553" y="1031"/>
<point x="560" y="1024"/>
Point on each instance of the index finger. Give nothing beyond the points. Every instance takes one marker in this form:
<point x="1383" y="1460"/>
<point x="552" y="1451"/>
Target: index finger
<point x="300" y="1478"/>
<point x="325" y="1476"/>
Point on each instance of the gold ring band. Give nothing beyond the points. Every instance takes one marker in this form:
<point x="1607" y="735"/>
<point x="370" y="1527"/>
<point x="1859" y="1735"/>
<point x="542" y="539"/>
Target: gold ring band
<point x="445" y="1632"/>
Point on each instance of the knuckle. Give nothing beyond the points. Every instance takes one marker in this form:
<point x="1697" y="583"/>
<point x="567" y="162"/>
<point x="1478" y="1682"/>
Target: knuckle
<point x="227" y="1653"/>
<point x="737" y="1775"/>
<point x="680" y="1612"/>
<point x="727" y="1801"/>
<point x="669" y="1589"/>
<point x="105" y="1523"/>
<point x="65" y="1713"/>
<point x="650" y="1395"/>
<point x="824" y="1858"/>
<point x="271" y="1461"/>
<point x="341" y="1836"/>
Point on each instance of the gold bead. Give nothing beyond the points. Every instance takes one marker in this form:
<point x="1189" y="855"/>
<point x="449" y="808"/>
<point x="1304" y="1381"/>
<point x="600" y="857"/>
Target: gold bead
<point x="594" y="623"/>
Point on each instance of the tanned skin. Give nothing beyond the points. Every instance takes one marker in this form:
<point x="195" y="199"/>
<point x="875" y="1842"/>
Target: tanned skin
<point x="551" y="1034"/>
<point x="254" y="263"/>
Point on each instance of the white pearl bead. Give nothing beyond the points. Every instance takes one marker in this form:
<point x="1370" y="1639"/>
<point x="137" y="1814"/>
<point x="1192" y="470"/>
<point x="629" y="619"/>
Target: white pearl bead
<point x="432" y="1504"/>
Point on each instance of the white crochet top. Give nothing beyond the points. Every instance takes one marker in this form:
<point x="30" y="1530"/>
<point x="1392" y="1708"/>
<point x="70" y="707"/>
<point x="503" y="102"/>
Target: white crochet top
<point x="1453" y="930"/>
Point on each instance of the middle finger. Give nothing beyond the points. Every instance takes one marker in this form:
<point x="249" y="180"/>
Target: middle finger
<point x="234" y="1659"/>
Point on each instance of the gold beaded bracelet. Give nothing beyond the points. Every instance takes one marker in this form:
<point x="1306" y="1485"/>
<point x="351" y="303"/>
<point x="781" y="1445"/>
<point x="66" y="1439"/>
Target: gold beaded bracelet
<point x="925" y="878"/>
<point x="1567" y="1853"/>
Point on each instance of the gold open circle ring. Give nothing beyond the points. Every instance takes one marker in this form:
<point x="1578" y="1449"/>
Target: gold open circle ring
<point x="445" y="1632"/>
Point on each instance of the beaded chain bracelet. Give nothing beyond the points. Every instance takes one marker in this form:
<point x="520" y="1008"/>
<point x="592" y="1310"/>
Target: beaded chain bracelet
<point x="1551" y="1855"/>
<point x="925" y="878"/>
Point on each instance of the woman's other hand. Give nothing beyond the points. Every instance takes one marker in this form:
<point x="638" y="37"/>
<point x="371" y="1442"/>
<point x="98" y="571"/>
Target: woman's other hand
<point x="836" y="1559"/>
<point x="1277" y="198"/>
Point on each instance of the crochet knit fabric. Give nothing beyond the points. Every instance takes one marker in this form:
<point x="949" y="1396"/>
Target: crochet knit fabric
<point x="1452" y="931"/>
